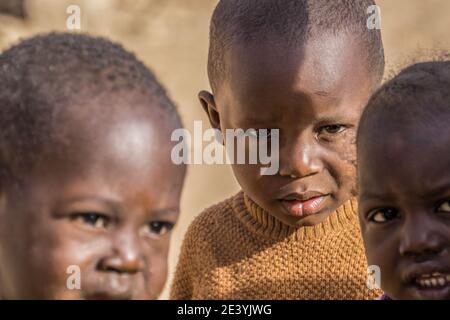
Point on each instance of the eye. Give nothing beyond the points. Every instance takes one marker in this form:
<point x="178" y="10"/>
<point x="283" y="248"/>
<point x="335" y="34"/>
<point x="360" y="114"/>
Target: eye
<point x="160" y="227"/>
<point x="259" y="133"/>
<point x="444" y="207"/>
<point x="332" y="129"/>
<point x="92" y="219"/>
<point x="383" y="215"/>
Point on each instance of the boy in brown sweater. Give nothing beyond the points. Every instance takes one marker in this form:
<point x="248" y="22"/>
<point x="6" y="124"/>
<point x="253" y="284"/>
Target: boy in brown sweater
<point x="306" y="68"/>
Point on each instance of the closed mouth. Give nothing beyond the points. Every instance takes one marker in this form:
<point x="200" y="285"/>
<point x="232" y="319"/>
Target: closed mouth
<point x="303" y="204"/>
<point x="110" y="286"/>
<point x="109" y="296"/>
<point x="302" y="196"/>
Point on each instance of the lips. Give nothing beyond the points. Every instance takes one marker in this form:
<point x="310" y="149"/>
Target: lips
<point x="303" y="204"/>
<point x="430" y="283"/>
<point x="434" y="280"/>
<point x="108" y="296"/>
<point x="110" y="287"/>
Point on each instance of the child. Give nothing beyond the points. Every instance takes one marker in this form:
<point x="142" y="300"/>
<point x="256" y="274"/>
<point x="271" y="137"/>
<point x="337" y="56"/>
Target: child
<point x="306" y="68"/>
<point x="404" y="182"/>
<point x="88" y="193"/>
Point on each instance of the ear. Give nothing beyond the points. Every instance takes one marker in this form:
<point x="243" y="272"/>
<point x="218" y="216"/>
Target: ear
<point x="209" y="105"/>
<point x="4" y="176"/>
<point x="2" y="203"/>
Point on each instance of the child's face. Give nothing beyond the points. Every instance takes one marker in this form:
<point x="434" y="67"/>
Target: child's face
<point x="108" y="209"/>
<point x="314" y="95"/>
<point x="404" y="182"/>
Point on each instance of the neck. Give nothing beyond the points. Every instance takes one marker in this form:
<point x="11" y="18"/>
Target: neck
<point x="263" y="223"/>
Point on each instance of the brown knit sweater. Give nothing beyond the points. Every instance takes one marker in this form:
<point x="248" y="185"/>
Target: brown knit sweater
<point x="236" y="250"/>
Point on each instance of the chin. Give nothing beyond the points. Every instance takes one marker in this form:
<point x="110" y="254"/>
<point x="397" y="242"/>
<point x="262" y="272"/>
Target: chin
<point x="312" y="220"/>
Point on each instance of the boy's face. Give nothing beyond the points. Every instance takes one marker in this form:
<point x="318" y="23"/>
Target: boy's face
<point x="314" y="95"/>
<point x="107" y="209"/>
<point x="404" y="182"/>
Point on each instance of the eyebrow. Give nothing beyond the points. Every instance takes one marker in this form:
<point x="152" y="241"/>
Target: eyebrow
<point x="338" y="117"/>
<point x="257" y="119"/>
<point x="163" y="213"/>
<point x="430" y="192"/>
<point x="321" y="93"/>
<point x="377" y="196"/>
<point x="438" y="189"/>
<point x="115" y="205"/>
<point x="327" y="95"/>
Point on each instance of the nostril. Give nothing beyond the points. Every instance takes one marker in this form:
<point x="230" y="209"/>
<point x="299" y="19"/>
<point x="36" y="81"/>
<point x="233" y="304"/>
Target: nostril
<point x="119" y="265"/>
<point x="121" y="270"/>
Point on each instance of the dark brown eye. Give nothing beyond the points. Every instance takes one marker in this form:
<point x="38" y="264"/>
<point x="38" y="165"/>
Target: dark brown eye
<point x="95" y="220"/>
<point x="383" y="215"/>
<point x="160" y="227"/>
<point x="333" y="129"/>
<point x="260" y="133"/>
<point x="444" y="207"/>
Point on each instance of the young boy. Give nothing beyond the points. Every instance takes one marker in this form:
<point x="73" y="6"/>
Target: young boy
<point x="84" y="139"/>
<point x="306" y="68"/>
<point x="404" y="182"/>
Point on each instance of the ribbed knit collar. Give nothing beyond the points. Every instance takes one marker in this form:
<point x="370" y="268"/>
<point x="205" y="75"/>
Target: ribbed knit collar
<point x="263" y="223"/>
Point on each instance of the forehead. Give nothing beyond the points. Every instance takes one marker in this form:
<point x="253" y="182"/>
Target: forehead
<point x="398" y="159"/>
<point x="327" y="67"/>
<point x="115" y="144"/>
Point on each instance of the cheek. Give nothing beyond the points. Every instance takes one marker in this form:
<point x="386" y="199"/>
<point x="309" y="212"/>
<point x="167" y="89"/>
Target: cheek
<point x="345" y="149"/>
<point x="381" y="250"/>
<point x="37" y="254"/>
<point x="248" y="176"/>
<point x="156" y="256"/>
<point x="374" y="252"/>
<point x="63" y="257"/>
<point x="341" y="162"/>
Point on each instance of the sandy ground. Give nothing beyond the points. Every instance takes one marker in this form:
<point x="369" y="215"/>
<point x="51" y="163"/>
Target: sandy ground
<point x="171" y="36"/>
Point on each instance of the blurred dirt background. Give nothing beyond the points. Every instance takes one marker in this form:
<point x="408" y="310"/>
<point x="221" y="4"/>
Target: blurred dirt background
<point x="171" y="36"/>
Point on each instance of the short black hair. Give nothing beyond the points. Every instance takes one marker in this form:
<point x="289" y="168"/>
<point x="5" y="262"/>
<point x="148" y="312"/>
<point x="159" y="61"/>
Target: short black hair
<point x="47" y="76"/>
<point x="418" y="97"/>
<point x="290" y="23"/>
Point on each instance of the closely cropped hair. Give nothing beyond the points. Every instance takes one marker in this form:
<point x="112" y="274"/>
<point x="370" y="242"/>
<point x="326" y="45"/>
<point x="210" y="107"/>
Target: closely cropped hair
<point x="288" y="24"/>
<point x="418" y="96"/>
<point x="45" y="77"/>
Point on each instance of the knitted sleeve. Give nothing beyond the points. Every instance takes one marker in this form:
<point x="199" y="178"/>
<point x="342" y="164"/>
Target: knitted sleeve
<point x="187" y="267"/>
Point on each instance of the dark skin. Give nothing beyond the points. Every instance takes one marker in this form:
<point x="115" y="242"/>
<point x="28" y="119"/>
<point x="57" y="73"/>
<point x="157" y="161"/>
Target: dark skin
<point x="314" y="95"/>
<point x="106" y="204"/>
<point x="405" y="208"/>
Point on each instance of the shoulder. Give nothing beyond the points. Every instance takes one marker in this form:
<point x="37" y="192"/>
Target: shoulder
<point x="214" y="223"/>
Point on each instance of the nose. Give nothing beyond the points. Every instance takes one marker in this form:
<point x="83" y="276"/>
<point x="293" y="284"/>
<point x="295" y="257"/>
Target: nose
<point x="419" y="237"/>
<point x="126" y="255"/>
<point x="300" y="159"/>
